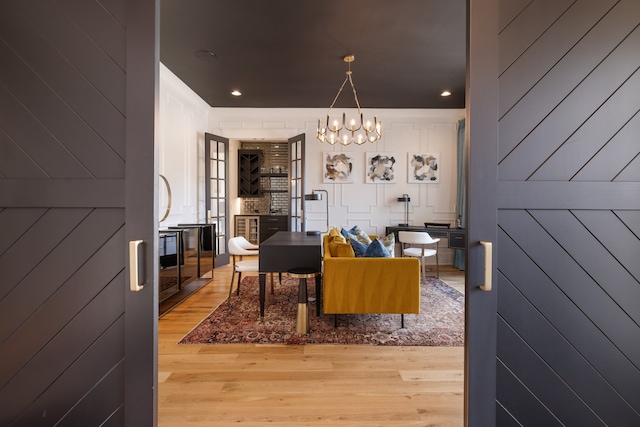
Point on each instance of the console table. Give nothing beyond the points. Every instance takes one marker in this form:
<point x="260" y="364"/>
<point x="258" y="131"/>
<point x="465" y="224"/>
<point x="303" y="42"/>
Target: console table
<point x="189" y="281"/>
<point x="202" y="243"/>
<point x="456" y="237"/>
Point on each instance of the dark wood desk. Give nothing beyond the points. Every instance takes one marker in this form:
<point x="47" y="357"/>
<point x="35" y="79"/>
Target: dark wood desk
<point x="286" y="250"/>
<point x="456" y="237"/>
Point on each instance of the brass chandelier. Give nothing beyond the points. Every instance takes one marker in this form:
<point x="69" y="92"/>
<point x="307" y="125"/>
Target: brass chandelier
<point x="356" y="131"/>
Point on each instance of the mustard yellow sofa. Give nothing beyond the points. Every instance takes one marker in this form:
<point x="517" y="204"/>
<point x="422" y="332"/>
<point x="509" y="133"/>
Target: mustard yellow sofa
<point x="358" y="285"/>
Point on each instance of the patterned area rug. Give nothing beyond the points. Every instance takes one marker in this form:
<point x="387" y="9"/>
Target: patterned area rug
<point x="440" y="322"/>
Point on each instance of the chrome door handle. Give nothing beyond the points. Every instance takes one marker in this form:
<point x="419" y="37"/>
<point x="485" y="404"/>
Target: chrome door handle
<point x="135" y="282"/>
<point x="488" y="265"/>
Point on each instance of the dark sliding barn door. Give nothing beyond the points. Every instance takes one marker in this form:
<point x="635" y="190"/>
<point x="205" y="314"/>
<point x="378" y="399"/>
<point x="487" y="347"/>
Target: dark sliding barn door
<point x="78" y="87"/>
<point x="567" y="124"/>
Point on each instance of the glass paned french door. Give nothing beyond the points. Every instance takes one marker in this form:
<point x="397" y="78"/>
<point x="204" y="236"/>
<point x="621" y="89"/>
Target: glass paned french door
<point x="296" y="183"/>
<point x="217" y="190"/>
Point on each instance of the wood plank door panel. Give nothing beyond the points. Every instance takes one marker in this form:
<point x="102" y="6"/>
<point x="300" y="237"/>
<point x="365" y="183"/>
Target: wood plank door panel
<point x="567" y="349"/>
<point x="78" y="88"/>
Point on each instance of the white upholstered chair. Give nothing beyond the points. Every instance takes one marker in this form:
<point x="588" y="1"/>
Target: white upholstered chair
<point x="238" y="248"/>
<point x="419" y="244"/>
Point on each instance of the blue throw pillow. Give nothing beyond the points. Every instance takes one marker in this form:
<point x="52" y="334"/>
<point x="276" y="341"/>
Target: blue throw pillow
<point x="346" y="232"/>
<point x="389" y="242"/>
<point x="358" y="248"/>
<point x="361" y="236"/>
<point x="377" y="250"/>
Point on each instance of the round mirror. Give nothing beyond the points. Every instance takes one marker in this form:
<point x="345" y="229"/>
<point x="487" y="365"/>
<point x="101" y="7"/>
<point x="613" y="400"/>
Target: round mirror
<point x="164" y="198"/>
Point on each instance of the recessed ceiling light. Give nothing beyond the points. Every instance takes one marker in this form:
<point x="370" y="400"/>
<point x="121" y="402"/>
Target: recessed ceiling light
<point x="236" y="93"/>
<point x="445" y="93"/>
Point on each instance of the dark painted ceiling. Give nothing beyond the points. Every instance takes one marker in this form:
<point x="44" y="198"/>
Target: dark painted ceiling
<point x="288" y="53"/>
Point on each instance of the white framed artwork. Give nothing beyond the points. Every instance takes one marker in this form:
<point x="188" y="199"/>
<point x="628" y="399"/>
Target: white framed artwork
<point x="424" y="168"/>
<point x="337" y="167"/>
<point x="380" y="168"/>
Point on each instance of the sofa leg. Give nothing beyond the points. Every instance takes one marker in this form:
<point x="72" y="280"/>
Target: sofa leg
<point x="335" y="320"/>
<point x="402" y="321"/>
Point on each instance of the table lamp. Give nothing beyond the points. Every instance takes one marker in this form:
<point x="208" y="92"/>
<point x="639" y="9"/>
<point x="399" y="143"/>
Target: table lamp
<point x="405" y="199"/>
<point x="315" y="195"/>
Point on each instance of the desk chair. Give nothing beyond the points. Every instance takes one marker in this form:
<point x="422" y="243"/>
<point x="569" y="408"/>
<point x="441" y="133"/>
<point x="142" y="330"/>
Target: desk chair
<point x="239" y="247"/>
<point x="419" y="244"/>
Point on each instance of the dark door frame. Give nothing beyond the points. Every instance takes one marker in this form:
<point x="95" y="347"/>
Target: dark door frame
<point x="141" y="217"/>
<point x="482" y="177"/>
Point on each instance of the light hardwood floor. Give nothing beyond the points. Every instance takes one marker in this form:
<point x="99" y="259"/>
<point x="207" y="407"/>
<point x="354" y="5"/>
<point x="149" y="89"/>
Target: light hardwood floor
<point x="309" y="385"/>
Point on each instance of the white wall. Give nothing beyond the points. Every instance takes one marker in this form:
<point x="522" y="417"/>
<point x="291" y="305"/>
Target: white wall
<point x="184" y="118"/>
<point x="183" y="121"/>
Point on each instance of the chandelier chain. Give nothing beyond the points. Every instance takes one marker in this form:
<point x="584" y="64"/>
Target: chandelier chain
<point x="355" y="95"/>
<point x="338" y="94"/>
<point x="353" y="88"/>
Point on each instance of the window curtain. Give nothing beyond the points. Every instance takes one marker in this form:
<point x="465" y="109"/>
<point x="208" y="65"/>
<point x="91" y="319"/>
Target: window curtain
<point x="461" y="202"/>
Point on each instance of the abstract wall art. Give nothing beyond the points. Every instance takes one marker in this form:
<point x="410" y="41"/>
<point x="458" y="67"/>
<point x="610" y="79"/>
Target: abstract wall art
<point x="338" y="168"/>
<point x="380" y="168"/>
<point x="424" y="168"/>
